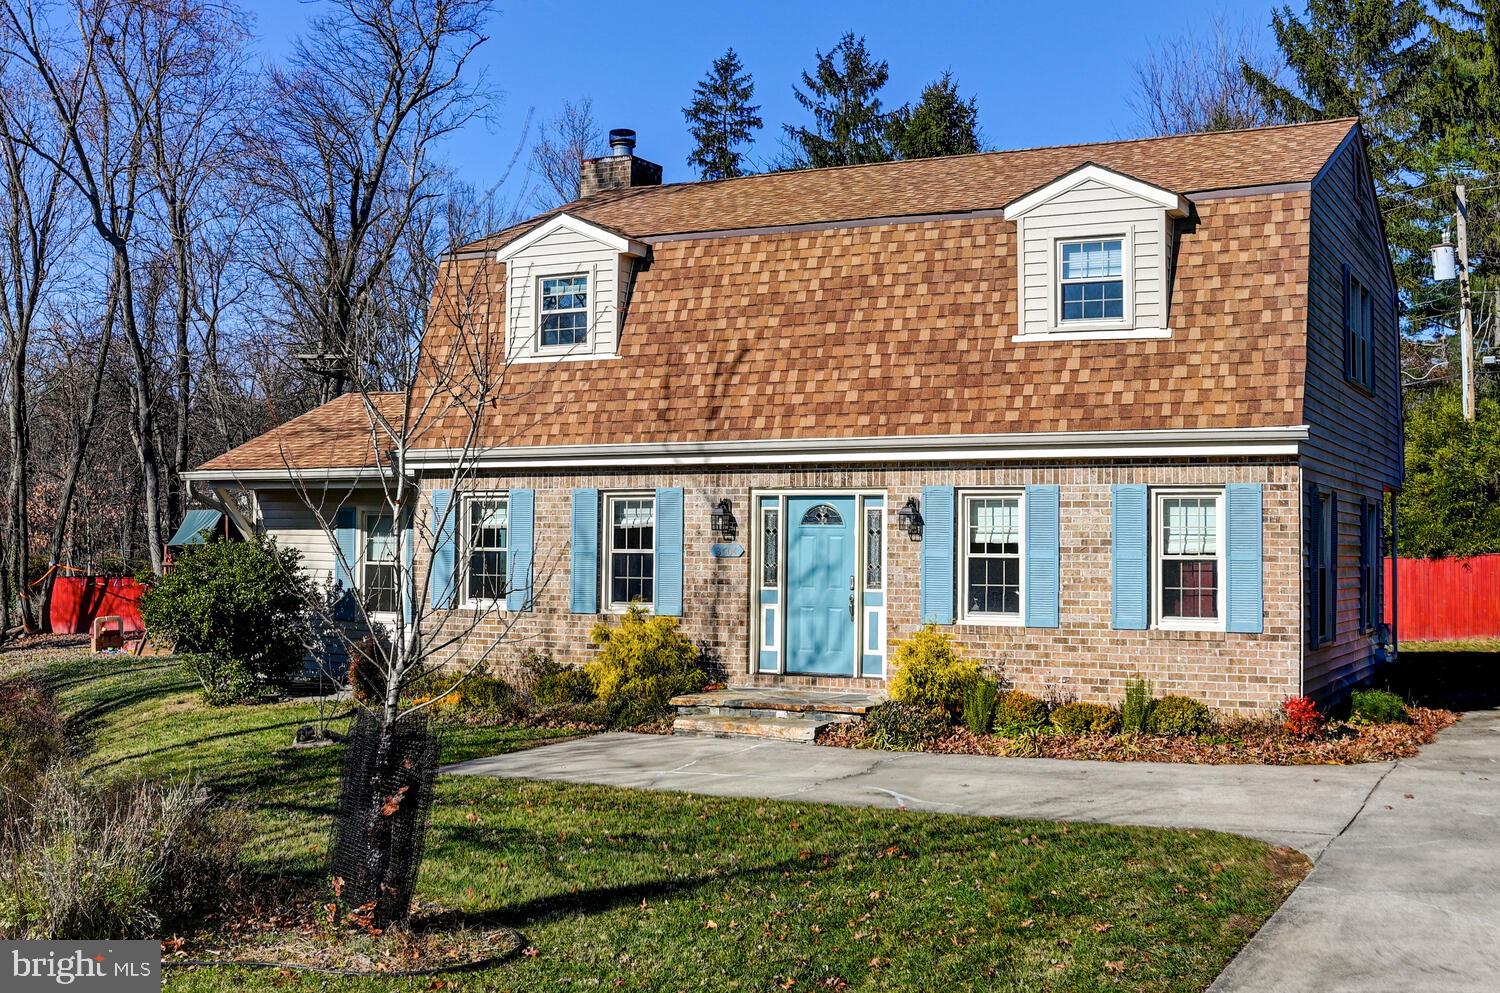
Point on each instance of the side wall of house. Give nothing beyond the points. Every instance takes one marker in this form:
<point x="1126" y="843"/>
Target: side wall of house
<point x="1354" y="447"/>
<point x="1084" y="656"/>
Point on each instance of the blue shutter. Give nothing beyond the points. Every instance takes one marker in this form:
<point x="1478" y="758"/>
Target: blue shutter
<point x="444" y="549"/>
<point x="518" y="593"/>
<point x="346" y="537"/>
<point x="937" y="555"/>
<point x="1349" y="344"/>
<point x="1333" y="567"/>
<point x="408" y="591"/>
<point x="1244" y="599"/>
<point x="1041" y="557"/>
<point x="585" y="578"/>
<point x="669" y="551"/>
<point x="1129" y="566"/>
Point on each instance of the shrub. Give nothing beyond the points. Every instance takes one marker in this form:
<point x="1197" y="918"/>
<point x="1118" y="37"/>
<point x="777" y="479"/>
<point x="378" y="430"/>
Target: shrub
<point x="928" y="672"/>
<point x="1135" y="710"/>
<point x="1377" y="707"/>
<point x="32" y="735"/>
<point x="111" y="862"/>
<point x="644" y="663"/>
<point x="1180" y="715"/>
<point x="1300" y="718"/>
<point x="564" y="687"/>
<point x="242" y="601"/>
<point x="1086" y="718"/>
<point x="366" y="673"/>
<point x="1018" y="713"/>
<point x="487" y="692"/>
<point x="224" y="681"/>
<point x="904" y="727"/>
<point x="979" y="705"/>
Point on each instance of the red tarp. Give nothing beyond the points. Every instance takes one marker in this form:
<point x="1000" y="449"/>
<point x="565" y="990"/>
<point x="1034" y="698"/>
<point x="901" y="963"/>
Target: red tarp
<point x="77" y="600"/>
<point x="1446" y="599"/>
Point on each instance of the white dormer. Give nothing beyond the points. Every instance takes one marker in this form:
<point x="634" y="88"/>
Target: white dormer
<point x="1094" y="250"/>
<point x="567" y="284"/>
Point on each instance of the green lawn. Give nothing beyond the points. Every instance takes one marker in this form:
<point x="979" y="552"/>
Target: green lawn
<point x="661" y="891"/>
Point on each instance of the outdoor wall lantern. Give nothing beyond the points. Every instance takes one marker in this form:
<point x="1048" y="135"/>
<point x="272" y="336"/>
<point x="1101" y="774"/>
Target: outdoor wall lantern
<point x="721" y="519"/>
<point x="909" y="518"/>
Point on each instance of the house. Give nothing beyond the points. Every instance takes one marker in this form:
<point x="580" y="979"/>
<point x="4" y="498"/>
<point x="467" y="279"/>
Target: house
<point x="1099" y="411"/>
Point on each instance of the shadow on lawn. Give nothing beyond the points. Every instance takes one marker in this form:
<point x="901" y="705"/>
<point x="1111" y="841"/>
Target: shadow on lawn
<point x="1453" y="678"/>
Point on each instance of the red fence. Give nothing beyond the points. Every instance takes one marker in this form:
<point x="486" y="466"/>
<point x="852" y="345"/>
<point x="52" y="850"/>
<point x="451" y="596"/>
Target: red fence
<point x="1446" y="599"/>
<point x="76" y="601"/>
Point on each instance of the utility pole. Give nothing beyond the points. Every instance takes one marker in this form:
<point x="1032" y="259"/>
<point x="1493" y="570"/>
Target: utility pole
<point x="1465" y="310"/>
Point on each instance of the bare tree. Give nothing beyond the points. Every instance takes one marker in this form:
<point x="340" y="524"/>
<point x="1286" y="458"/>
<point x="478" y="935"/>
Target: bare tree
<point x="33" y="233"/>
<point x="562" y="145"/>
<point x="1194" y="82"/>
<point x="345" y="156"/>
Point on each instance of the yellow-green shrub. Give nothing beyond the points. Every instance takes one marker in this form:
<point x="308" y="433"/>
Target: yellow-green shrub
<point x="646" y="660"/>
<point x="927" y="671"/>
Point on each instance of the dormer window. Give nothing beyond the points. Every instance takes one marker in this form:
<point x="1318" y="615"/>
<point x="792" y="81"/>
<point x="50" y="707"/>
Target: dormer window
<point x="564" y="310"/>
<point x="1092" y="280"/>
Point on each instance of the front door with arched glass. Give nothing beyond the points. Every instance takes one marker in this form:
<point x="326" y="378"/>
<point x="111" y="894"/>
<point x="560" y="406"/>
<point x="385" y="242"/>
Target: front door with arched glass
<point x="820" y="595"/>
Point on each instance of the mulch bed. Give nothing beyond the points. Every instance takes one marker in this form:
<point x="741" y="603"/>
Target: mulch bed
<point x="303" y="936"/>
<point x="1242" y="743"/>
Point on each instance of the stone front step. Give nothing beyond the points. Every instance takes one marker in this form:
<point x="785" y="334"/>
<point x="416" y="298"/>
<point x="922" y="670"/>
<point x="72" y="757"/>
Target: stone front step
<point x="770" y="711"/>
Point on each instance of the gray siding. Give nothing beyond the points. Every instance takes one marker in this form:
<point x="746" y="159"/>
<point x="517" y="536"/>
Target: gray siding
<point x="1354" y="436"/>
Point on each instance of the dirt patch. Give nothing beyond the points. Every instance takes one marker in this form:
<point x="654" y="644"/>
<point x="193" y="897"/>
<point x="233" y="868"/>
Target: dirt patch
<point x="1289" y="866"/>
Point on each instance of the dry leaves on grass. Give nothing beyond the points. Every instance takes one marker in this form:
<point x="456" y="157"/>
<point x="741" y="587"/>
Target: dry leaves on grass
<point x="1247" y="744"/>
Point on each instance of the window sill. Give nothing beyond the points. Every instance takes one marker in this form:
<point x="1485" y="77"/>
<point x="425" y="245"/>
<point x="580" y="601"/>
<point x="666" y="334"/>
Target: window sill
<point x="994" y="620"/>
<point x="620" y="609"/>
<point x="532" y="357"/>
<point x="1191" y="628"/>
<point x="482" y="606"/>
<point x="1101" y="334"/>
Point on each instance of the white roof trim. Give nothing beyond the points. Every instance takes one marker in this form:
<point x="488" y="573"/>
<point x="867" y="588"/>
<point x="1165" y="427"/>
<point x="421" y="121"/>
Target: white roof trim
<point x="567" y="222"/>
<point x="247" y="476"/>
<point x="1173" y="203"/>
<point x="1197" y="442"/>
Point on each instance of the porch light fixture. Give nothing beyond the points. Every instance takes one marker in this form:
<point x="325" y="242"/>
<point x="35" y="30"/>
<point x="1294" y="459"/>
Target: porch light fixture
<point x="721" y="519"/>
<point x="909" y="518"/>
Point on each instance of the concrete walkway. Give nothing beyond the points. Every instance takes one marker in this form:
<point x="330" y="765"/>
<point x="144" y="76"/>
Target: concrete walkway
<point x="1408" y="898"/>
<point x="1303" y="807"/>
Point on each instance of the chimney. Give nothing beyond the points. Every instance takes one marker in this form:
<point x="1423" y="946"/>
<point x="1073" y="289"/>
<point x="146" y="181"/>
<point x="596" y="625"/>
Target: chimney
<point x="619" y="169"/>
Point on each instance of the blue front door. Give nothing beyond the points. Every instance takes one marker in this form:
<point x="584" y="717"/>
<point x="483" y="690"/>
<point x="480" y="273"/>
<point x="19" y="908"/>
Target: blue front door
<point x="820" y="585"/>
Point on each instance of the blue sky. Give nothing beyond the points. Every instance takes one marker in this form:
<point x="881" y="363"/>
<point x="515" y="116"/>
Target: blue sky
<point x="1044" y="72"/>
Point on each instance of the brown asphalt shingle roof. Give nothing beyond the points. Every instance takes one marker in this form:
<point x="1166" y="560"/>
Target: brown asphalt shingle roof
<point x="891" y="328"/>
<point x="341" y="434"/>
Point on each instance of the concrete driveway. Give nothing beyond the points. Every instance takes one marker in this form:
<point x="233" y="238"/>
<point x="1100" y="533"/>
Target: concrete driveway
<point x="1303" y="807"/>
<point x="1404" y="896"/>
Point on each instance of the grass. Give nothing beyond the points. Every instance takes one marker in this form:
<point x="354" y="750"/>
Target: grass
<point x="632" y="890"/>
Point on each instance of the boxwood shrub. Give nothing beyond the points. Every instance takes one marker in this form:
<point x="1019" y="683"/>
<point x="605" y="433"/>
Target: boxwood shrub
<point x="1086" y="718"/>
<point x="1176" y="716"/>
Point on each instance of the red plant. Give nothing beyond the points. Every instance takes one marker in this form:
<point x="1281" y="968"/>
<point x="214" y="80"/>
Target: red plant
<point x="1300" y="718"/>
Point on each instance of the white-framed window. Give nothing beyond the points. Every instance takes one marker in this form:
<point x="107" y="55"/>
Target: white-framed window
<point x="991" y="577"/>
<point x="486" y="547"/>
<point x="378" y="565"/>
<point x="1359" y="335"/>
<point x="563" y="309"/>
<point x="630" y="549"/>
<point x="1188" y="559"/>
<point x="1091" y="281"/>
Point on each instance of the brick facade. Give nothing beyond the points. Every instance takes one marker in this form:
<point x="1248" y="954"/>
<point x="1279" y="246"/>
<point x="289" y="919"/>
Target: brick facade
<point x="1084" y="657"/>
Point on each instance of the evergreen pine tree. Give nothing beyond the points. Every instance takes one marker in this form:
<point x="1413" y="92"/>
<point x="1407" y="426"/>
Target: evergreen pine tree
<point x="721" y="117"/>
<point x="842" y="93"/>
<point x="942" y="123"/>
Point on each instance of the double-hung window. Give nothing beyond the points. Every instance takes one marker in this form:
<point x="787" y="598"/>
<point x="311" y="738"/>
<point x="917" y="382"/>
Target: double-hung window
<point x="486" y="548"/>
<point x="1189" y="566"/>
<point x="564" y="310"/>
<point x="630" y="553"/>
<point x="1359" y="335"/>
<point x="991" y="566"/>
<point x="1091" y="285"/>
<point x="378" y="569"/>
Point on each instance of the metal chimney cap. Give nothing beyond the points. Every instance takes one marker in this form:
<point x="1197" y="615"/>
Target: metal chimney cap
<point x="622" y="141"/>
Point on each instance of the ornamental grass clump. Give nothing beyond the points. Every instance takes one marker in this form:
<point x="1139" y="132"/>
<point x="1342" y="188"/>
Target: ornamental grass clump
<point x="928" y="672"/>
<point x="1377" y="707"/>
<point x="1085" y="718"/>
<point x="979" y="705"/>
<point x="1135" y="709"/>
<point x="1180" y="716"/>
<point x="904" y="727"/>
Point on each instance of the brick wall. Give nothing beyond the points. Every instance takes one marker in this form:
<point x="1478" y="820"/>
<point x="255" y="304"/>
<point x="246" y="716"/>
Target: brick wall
<point x="1084" y="657"/>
